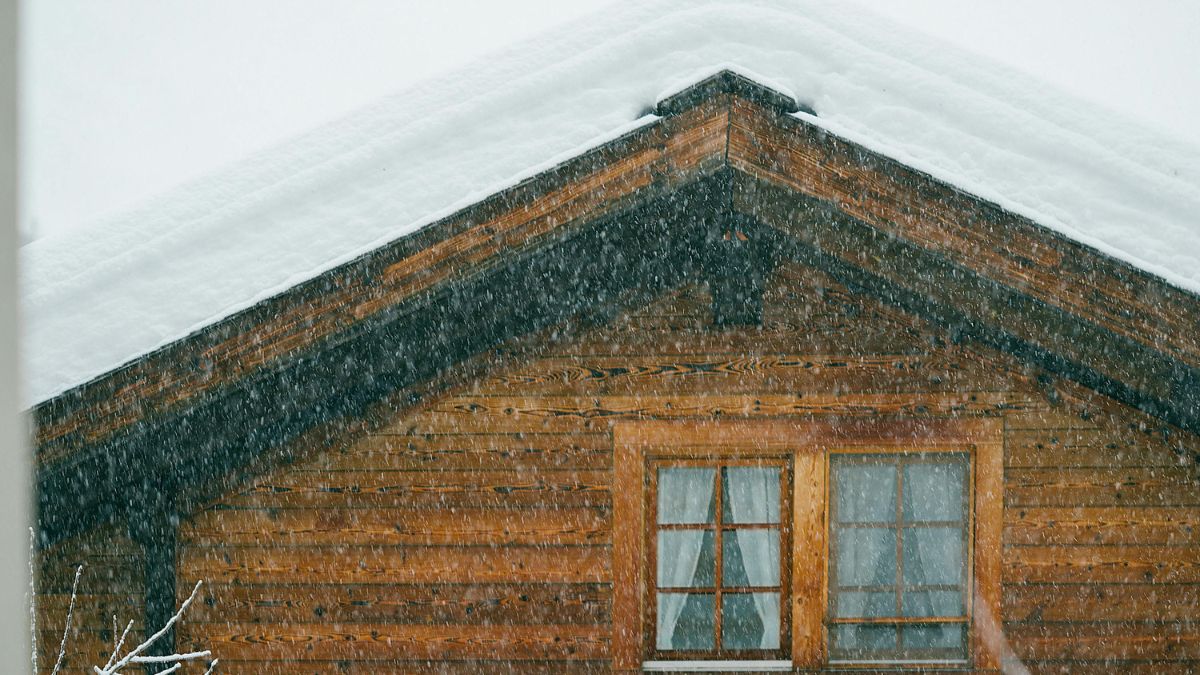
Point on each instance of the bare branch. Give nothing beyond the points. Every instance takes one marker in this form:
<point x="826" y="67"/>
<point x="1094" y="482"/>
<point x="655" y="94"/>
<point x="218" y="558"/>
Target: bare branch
<point x="212" y="667"/>
<point x="33" y="601"/>
<point x="189" y="656"/>
<point x="137" y="651"/>
<point x="117" y="648"/>
<point x="62" y="647"/>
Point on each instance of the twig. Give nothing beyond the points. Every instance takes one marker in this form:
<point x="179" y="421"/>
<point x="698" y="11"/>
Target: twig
<point x="33" y="601"/>
<point x="62" y="647"/>
<point x="128" y="658"/>
<point x="117" y="647"/>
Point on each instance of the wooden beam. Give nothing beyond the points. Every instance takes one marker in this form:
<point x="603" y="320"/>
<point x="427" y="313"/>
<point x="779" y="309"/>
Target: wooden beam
<point x="209" y="443"/>
<point x="969" y="306"/>
<point x="154" y="524"/>
<point x="729" y="83"/>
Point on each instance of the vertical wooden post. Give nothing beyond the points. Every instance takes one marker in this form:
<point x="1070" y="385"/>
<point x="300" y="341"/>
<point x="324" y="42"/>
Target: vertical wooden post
<point x="628" y="534"/>
<point x="738" y="260"/>
<point x="154" y="527"/>
<point x="809" y="558"/>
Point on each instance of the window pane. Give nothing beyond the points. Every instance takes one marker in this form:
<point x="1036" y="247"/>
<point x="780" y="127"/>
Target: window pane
<point x="933" y="603"/>
<point x="866" y="493"/>
<point x="685" y="495"/>
<point x="933" y="555"/>
<point x="686" y="621"/>
<point x="750" y="557"/>
<point x="687" y="558"/>
<point x="935" y="491"/>
<point x="860" y="604"/>
<point x="937" y="636"/>
<point x="750" y="621"/>
<point x="751" y="494"/>
<point x="850" y="641"/>
<point x="866" y="556"/>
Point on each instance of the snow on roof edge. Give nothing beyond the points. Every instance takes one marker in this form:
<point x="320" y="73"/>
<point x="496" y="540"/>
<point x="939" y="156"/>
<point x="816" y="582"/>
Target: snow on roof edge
<point x="294" y="212"/>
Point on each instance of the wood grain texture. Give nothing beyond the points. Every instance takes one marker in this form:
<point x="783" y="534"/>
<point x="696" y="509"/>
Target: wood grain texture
<point x="451" y="604"/>
<point x="324" y="641"/>
<point x="493" y="505"/>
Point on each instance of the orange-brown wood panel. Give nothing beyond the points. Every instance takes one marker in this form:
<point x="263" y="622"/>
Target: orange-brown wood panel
<point x="375" y="642"/>
<point x="436" y="490"/>
<point x="401" y="565"/>
<point x="491" y="505"/>
<point x="455" y="604"/>
<point x="400" y="527"/>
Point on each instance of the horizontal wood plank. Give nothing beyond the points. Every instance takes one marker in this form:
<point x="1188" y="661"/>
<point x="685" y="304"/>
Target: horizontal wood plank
<point x="1069" y="603"/>
<point x="399" y="565"/>
<point x="1123" y="525"/>
<point x="1158" y="641"/>
<point x="444" y="604"/>
<point x="1102" y="564"/>
<point x="464" y="414"/>
<point x="325" y="641"/>
<point x="1130" y="486"/>
<point x="331" y="525"/>
<point x="441" y="489"/>
<point x="479" y="452"/>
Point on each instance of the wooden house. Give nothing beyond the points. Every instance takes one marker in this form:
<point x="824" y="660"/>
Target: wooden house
<point x="726" y="392"/>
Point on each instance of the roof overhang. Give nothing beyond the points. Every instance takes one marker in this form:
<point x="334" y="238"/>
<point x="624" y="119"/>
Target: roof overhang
<point x="636" y="216"/>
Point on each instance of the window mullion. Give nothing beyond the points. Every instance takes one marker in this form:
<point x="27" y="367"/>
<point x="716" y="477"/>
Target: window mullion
<point x="719" y="557"/>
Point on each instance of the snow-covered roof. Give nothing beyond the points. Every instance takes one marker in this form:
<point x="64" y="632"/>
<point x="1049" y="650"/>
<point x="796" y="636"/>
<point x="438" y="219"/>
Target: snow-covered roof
<point x="96" y="299"/>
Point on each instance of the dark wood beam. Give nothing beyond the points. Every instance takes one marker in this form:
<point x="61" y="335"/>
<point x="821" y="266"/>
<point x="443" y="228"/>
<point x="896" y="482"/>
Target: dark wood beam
<point x="153" y="522"/>
<point x="648" y="246"/>
<point x="969" y="306"/>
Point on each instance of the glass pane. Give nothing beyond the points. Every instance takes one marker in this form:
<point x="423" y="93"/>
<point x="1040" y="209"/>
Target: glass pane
<point x="687" y="558"/>
<point x="866" y="493"/>
<point x="851" y="640"/>
<point x="935" y="491"/>
<point x="937" y="636"/>
<point x="933" y="603"/>
<point x="750" y="621"/>
<point x="685" y="495"/>
<point x="866" y="556"/>
<point x="750" y="557"/>
<point x="686" y="621"/>
<point x="751" y="494"/>
<point x="859" y="604"/>
<point x="933" y="555"/>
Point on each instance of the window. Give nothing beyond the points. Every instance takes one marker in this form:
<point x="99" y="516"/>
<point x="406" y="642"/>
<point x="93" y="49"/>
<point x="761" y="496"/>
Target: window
<point x="898" y="576"/>
<point x="719" y="549"/>
<point x="887" y="531"/>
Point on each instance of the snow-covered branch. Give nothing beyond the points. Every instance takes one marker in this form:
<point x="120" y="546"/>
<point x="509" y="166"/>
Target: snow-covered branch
<point x="135" y="655"/>
<point x="116" y="662"/>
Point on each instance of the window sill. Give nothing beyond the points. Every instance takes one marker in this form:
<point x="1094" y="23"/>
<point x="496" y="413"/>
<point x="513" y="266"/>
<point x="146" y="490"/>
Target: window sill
<point x="716" y="666"/>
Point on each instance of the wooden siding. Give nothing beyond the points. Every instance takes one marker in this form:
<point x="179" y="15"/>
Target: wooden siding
<point x="111" y="585"/>
<point x="473" y="531"/>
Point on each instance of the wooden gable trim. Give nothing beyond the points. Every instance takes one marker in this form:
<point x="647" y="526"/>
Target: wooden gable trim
<point x="633" y="249"/>
<point x="649" y="162"/>
<point x="657" y="201"/>
<point x="903" y="203"/>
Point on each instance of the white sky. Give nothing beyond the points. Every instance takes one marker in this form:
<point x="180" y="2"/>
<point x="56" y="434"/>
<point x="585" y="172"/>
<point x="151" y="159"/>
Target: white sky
<point x="123" y="99"/>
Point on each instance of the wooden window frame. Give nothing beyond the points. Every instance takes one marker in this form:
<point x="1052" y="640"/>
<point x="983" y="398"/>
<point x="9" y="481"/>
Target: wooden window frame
<point x="808" y="443"/>
<point x="651" y="528"/>
<point x="924" y="454"/>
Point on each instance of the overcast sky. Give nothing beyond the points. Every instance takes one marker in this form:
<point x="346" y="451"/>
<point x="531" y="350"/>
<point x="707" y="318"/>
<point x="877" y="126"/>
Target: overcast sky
<point x="123" y="99"/>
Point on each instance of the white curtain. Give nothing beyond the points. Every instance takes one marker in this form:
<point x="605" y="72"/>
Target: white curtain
<point x="754" y="498"/>
<point x="684" y="496"/>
